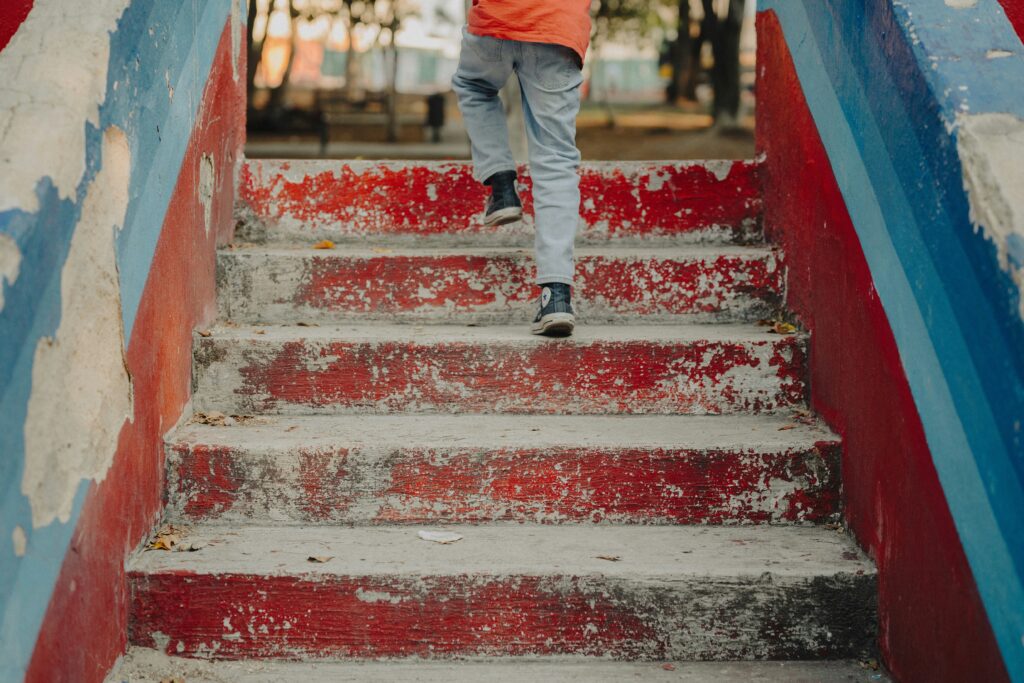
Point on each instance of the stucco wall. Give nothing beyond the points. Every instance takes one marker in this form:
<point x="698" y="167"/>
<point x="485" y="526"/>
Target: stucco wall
<point x="121" y="122"/>
<point x="892" y="148"/>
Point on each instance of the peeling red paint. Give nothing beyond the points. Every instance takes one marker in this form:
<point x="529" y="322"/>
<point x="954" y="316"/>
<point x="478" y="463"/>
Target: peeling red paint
<point x="637" y="285"/>
<point x="932" y="625"/>
<point x="321" y="478"/>
<point x="403" y="198"/>
<point x="550" y="485"/>
<point x="212" y="475"/>
<point x="367" y="617"/>
<point x="630" y="485"/>
<point x="236" y="616"/>
<point x="697" y="376"/>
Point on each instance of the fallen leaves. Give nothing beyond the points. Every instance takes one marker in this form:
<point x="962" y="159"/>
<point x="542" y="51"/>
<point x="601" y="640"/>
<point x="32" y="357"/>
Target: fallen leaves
<point x="804" y="417"/>
<point x="325" y="244"/>
<point x="171" y="537"/>
<point x="871" y="664"/>
<point x="778" y="326"/>
<point x="610" y="558"/>
<point x="205" y="333"/>
<point x="218" y="419"/>
<point x="668" y="667"/>
<point x="320" y="559"/>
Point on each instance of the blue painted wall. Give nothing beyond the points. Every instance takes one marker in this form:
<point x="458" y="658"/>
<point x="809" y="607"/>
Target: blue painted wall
<point x="885" y="81"/>
<point x="156" y="44"/>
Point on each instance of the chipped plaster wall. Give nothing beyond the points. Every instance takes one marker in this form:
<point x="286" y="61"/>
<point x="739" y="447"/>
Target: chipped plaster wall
<point x="120" y="125"/>
<point x="991" y="148"/>
<point x="81" y="392"/>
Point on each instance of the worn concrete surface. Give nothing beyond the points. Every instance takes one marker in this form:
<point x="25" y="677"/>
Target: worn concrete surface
<point x="418" y="469"/>
<point x="679" y="592"/>
<point x="495" y="286"/>
<point x="692" y="369"/>
<point x="142" y="665"/>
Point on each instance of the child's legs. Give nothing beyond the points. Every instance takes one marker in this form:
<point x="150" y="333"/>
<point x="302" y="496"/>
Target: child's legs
<point x="484" y="66"/>
<point x="550" y="77"/>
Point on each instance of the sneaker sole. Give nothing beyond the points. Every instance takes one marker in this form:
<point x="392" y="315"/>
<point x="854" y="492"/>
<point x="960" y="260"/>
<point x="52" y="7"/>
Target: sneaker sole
<point x="504" y="216"/>
<point x="555" y="325"/>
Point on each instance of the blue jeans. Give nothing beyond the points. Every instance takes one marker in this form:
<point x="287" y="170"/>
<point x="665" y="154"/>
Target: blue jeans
<point x="550" y="80"/>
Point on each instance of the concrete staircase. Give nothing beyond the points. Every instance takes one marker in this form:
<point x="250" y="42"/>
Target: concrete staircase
<point x="642" y="491"/>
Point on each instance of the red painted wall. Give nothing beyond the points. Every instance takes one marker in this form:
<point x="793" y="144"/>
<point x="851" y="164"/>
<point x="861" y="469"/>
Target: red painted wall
<point x="933" y="626"/>
<point x="12" y="15"/>
<point x="1015" y="12"/>
<point x="85" y="628"/>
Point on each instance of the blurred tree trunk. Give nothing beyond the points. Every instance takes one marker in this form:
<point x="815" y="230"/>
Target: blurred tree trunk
<point x="681" y="56"/>
<point x="255" y="53"/>
<point x="394" y="124"/>
<point x="725" y="75"/>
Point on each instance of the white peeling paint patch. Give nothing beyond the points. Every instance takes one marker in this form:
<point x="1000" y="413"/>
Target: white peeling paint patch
<point x="991" y="147"/>
<point x="81" y="391"/>
<point x="20" y="541"/>
<point x="54" y="72"/>
<point x="998" y="54"/>
<point x="10" y="263"/>
<point x="207" y="183"/>
<point x="961" y="4"/>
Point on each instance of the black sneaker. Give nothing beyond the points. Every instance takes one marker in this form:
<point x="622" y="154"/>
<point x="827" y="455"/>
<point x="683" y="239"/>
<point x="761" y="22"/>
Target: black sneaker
<point x="555" y="317"/>
<point x="503" y="206"/>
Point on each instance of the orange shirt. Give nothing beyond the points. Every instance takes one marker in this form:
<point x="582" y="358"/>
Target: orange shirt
<point x="562" y="22"/>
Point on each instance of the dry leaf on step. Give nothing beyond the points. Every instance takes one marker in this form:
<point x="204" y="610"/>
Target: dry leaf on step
<point x="320" y="558"/>
<point x="610" y="558"/>
<point x="326" y="244"/>
<point x="783" y="328"/>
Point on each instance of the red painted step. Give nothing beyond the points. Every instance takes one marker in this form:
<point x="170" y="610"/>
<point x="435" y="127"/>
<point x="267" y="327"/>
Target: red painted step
<point x="495" y="285"/>
<point x="318" y="199"/>
<point x="697" y="369"/>
<point x="667" y="593"/>
<point x="423" y="469"/>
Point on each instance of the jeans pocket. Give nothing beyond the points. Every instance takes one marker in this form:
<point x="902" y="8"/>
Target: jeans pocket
<point x="556" y="67"/>
<point x="486" y="48"/>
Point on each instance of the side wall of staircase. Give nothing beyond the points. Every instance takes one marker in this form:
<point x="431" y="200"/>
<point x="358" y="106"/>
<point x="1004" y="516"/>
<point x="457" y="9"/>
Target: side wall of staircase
<point x="121" y="122"/>
<point x="892" y="180"/>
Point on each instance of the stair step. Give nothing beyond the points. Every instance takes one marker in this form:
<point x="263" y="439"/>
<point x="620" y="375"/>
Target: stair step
<point x="495" y="285"/>
<point x="415" y="469"/>
<point x="311" y="200"/>
<point x="143" y="665"/>
<point x="692" y="369"/>
<point x="686" y="593"/>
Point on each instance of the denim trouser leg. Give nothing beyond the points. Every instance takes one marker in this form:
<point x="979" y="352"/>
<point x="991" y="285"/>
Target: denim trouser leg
<point x="484" y="66"/>
<point x="550" y="78"/>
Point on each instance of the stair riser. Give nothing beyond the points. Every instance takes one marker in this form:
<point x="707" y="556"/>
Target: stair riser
<point x="342" y="484"/>
<point x="313" y="615"/>
<point x="313" y="200"/>
<point x="316" y="376"/>
<point x="257" y="287"/>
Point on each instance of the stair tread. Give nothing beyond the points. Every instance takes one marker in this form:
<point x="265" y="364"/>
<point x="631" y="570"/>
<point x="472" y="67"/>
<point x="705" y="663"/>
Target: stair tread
<point x="481" y="334"/>
<point x="647" y="554"/>
<point x="145" y="664"/>
<point x="299" y="249"/>
<point x="527" y="431"/>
